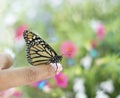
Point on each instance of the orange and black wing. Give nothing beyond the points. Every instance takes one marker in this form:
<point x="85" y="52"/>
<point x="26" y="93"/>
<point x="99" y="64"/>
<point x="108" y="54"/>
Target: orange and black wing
<point x="38" y="51"/>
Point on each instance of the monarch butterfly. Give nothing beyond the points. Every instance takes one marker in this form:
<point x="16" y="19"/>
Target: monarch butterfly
<point x="38" y="51"/>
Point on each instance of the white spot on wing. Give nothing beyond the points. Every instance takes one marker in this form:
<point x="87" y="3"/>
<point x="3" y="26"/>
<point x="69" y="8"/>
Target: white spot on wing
<point x="34" y="37"/>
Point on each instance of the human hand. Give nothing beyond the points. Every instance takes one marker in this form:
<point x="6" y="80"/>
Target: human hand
<point x="23" y="76"/>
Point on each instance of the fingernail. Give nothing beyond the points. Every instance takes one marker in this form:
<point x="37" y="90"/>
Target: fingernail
<point x="55" y="67"/>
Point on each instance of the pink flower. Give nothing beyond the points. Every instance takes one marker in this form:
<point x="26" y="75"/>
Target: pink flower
<point x="100" y="31"/>
<point x="68" y="49"/>
<point x="7" y="93"/>
<point x="17" y="94"/>
<point x="61" y="80"/>
<point x="19" y="32"/>
<point x="99" y="28"/>
<point x="19" y="42"/>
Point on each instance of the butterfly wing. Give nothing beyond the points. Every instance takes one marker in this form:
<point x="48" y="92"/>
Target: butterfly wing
<point x="38" y="51"/>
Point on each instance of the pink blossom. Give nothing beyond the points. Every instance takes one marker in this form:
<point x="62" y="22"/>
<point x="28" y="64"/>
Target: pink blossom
<point x="68" y="49"/>
<point x="19" y="32"/>
<point x="17" y="94"/>
<point x="100" y="31"/>
<point x="61" y="80"/>
<point x="7" y="93"/>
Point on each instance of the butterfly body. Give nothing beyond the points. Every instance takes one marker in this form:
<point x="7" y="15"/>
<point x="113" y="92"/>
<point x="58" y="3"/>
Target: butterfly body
<point x="38" y="51"/>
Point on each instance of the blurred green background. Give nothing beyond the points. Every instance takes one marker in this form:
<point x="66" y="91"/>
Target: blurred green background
<point x="91" y="26"/>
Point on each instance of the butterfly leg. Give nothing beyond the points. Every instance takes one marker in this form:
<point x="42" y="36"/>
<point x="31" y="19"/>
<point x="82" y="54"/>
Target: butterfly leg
<point x="56" y="68"/>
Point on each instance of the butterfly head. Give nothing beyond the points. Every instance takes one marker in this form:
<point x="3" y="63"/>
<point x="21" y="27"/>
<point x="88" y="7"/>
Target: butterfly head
<point x="59" y="58"/>
<point x="56" y="59"/>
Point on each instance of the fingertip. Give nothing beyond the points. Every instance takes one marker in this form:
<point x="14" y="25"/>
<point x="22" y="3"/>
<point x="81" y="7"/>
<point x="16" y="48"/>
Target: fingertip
<point x="57" y="67"/>
<point x="6" y="61"/>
